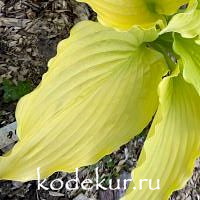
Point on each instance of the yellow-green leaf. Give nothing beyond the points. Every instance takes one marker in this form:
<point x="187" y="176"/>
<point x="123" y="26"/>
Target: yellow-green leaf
<point x="187" y="23"/>
<point x="167" y="7"/>
<point x="123" y="14"/>
<point x="99" y="92"/>
<point x="189" y="52"/>
<point x="173" y="143"/>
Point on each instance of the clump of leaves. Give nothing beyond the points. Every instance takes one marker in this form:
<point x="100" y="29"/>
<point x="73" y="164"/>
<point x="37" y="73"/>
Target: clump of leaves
<point x="104" y="87"/>
<point x="12" y="92"/>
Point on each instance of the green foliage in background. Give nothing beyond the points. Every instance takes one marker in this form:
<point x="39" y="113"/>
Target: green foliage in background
<point x="12" y="92"/>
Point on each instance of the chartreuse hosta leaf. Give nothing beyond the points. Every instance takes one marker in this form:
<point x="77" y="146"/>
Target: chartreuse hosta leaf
<point x="173" y="143"/>
<point x="189" y="52"/>
<point x="99" y="92"/>
<point x="187" y="24"/>
<point x="123" y="14"/>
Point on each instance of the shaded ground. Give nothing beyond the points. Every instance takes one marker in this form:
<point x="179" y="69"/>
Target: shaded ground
<point x="29" y="33"/>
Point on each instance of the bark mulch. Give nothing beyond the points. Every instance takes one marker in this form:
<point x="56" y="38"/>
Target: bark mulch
<point x="29" y="33"/>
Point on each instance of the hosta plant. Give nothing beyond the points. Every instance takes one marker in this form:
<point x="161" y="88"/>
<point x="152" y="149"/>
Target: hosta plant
<point x="106" y="83"/>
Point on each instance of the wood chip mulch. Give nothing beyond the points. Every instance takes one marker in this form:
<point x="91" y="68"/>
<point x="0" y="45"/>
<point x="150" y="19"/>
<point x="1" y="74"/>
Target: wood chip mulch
<point x="29" y="33"/>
